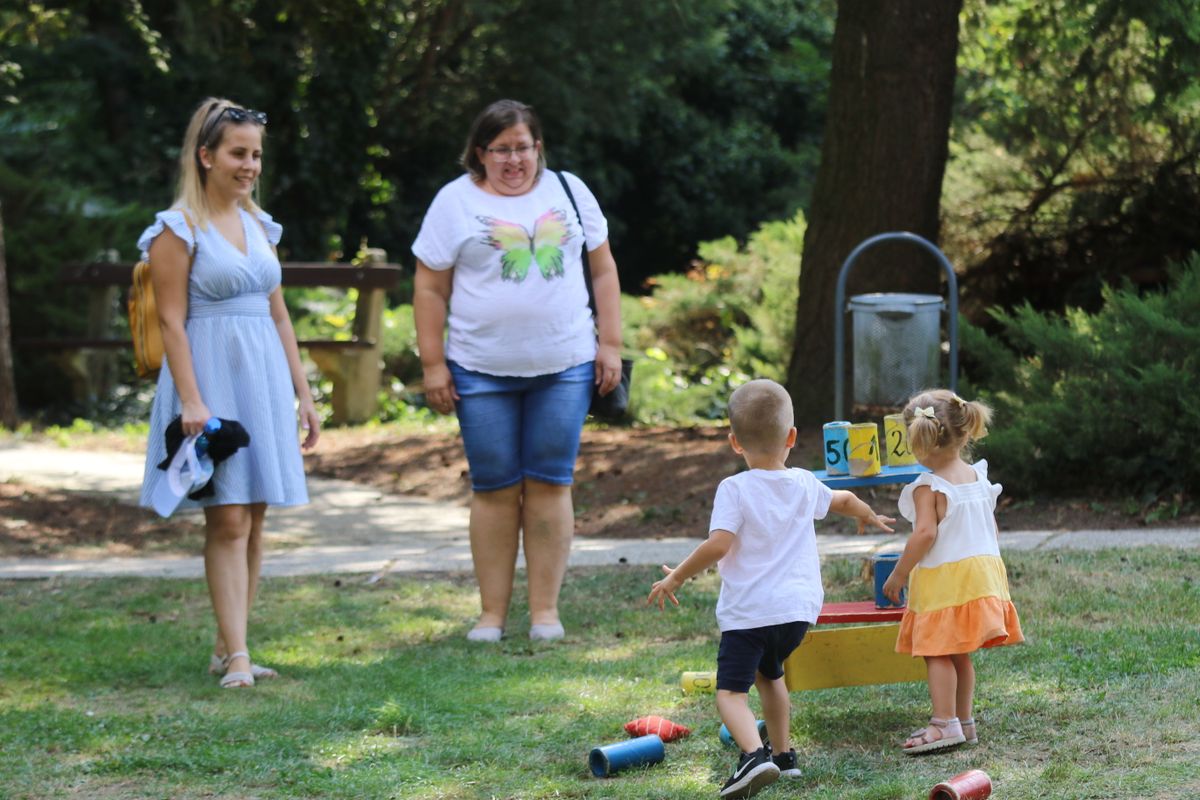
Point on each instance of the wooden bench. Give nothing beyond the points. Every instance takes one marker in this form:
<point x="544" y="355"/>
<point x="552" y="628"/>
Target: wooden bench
<point x="866" y="653"/>
<point x="354" y="365"/>
<point x="862" y="655"/>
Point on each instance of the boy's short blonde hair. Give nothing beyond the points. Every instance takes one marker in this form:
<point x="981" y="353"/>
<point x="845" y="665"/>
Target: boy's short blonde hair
<point x="760" y="413"/>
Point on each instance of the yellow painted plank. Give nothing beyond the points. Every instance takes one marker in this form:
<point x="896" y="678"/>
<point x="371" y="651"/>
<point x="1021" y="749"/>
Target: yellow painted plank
<point x="850" y="657"/>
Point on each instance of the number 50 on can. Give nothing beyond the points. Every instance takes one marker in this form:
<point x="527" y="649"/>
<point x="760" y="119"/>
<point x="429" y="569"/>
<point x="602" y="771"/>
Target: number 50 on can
<point x="837" y="452"/>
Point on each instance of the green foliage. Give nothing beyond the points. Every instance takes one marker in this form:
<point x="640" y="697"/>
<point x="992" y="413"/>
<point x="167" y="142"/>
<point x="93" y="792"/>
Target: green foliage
<point x="47" y="224"/>
<point x="696" y="120"/>
<point x="1103" y="401"/>
<point x="326" y="314"/>
<point x="1075" y="152"/>
<point x="729" y="319"/>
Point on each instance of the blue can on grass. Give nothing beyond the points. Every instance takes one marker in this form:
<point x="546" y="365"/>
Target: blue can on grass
<point x="727" y="738"/>
<point x="882" y="564"/>
<point x="612" y="758"/>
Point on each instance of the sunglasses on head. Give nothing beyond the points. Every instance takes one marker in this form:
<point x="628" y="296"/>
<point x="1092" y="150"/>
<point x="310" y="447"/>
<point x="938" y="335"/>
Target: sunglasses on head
<point x="237" y="115"/>
<point x="240" y="115"/>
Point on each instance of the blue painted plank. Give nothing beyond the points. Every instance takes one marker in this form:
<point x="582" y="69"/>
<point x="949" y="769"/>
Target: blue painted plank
<point x="904" y="474"/>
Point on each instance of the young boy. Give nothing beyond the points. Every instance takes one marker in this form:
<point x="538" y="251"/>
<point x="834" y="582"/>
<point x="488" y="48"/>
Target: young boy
<point x="763" y="542"/>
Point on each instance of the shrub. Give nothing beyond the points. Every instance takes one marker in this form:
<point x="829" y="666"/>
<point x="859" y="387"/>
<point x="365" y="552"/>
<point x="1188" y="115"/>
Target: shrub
<point x="326" y="313"/>
<point x="1104" y="401"/>
<point x="729" y="319"/>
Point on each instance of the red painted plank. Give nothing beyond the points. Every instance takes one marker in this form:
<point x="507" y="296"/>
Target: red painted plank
<point x="865" y="611"/>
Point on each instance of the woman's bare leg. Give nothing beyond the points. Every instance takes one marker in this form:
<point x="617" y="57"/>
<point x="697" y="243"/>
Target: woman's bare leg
<point x="494" y="527"/>
<point x="227" y="535"/>
<point x="548" y="522"/>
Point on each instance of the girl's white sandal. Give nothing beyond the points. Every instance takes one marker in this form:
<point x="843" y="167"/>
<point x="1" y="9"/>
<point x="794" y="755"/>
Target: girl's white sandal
<point x="217" y="665"/>
<point x="949" y="734"/>
<point x="971" y="736"/>
<point x="237" y="680"/>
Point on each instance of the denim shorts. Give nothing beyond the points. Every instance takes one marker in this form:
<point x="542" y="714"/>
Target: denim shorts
<point x="744" y="652"/>
<point x="515" y="428"/>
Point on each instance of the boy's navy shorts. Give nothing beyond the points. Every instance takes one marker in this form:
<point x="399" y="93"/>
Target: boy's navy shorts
<point x="745" y="652"/>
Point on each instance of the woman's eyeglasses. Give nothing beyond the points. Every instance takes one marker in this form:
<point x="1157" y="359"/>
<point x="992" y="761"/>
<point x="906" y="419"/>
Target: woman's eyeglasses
<point x="506" y="153"/>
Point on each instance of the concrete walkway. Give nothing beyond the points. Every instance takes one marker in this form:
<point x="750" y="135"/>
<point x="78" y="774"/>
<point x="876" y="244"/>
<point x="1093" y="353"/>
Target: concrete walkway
<point x="349" y="528"/>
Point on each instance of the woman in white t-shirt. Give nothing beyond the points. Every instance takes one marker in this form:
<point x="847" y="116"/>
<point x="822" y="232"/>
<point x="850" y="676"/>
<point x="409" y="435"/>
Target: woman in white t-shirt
<point x="508" y="341"/>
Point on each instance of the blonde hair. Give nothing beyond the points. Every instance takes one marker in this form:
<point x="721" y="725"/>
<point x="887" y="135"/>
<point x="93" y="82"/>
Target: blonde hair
<point x="760" y="413"/>
<point x="210" y="121"/>
<point x="954" y="423"/>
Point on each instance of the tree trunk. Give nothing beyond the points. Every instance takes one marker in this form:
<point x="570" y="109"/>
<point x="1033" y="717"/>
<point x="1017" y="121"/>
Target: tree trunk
<point x="882" y="160"/>
<point x="8" y="386"/>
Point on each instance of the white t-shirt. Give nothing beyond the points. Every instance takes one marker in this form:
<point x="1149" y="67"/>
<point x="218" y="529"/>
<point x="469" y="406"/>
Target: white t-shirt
<point x="772" y="574"/>
<point x="518" y="303"/>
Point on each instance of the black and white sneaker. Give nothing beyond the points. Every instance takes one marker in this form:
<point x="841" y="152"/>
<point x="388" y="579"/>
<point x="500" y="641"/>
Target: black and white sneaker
<point x="754" y="772"/>
<point x="787" y="764"/>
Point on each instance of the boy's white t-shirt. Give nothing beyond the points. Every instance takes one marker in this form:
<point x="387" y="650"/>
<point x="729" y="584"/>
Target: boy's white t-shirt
<point x="772" y="574"/>
<point x="518" y="303"/>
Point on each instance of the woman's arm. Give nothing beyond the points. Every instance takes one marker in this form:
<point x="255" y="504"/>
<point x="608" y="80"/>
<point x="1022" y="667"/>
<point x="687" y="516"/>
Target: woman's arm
<point x="431" y="297"/>
<point x="309" y="419"/>
<point x="170" y="267"/>
<point x="606" y="285"/>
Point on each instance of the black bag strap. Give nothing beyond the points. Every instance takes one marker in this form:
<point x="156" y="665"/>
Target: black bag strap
<point x="587" y="266"/>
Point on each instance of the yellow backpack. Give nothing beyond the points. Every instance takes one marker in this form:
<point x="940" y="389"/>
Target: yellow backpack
<point x="143" y="317"/>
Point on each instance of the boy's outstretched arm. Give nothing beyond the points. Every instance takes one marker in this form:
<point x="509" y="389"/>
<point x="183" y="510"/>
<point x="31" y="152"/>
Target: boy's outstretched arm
<point x="708" y="553"/>
<point x="848" y="505"/>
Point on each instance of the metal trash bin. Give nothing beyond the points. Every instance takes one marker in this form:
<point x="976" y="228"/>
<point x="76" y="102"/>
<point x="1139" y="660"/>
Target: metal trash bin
<point x="896" y="345"/>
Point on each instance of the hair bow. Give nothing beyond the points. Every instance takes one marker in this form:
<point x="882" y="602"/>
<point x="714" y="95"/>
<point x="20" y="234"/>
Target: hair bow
<point x="924" y="412"/>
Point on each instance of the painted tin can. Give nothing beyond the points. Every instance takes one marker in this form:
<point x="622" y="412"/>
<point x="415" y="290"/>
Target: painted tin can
<point x="695" y="682"/>
<point x="608" y="759"/>
<point x="727" y="738"/>
<point x="882" y="565"/>
<point x="895" y="438"/>
<point x="863" y="446"/>
<point x="836" y="449"/>
<point x="970" y="785"/>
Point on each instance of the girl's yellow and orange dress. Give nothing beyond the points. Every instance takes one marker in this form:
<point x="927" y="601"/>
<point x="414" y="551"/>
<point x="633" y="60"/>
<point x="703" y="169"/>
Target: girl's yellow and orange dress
<point x="958" y="598"/>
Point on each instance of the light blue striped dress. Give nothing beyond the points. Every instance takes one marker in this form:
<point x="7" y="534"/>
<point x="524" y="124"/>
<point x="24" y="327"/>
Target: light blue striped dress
<point x="240" y="365"/>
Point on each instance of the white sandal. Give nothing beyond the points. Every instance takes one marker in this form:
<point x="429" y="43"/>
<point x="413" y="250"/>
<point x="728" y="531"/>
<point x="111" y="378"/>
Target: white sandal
<point x="971" y="736"/>
<point x="487" y="633"/>
<point x="237" y="680"/>
<point x="949" y="733"/>
<point x="546" y="633"/>
<point x="218" y="665"/>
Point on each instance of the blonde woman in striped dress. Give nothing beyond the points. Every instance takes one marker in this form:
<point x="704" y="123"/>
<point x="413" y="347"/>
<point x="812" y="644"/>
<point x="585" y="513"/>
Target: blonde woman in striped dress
<point x="231" y="353"/>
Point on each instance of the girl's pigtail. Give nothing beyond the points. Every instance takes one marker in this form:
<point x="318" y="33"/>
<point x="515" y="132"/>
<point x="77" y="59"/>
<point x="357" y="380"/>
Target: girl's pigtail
<point x="923" y="435"/>
<point x="976" y="417"/>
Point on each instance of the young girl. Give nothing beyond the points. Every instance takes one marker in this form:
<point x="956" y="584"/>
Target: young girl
<point x="958" y="597"/>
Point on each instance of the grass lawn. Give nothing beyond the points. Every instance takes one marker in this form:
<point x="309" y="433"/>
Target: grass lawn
<point x="103" y="692"/>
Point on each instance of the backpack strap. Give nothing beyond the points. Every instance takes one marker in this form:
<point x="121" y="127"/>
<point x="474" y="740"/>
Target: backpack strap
<point x="587" y="266"/>
<point x="192" y="230"/>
